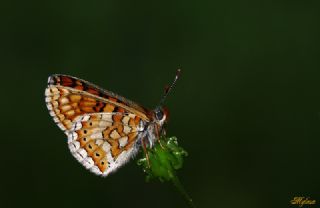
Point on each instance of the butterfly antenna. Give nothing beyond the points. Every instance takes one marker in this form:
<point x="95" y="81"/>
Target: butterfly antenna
<point x="168" y="88"/>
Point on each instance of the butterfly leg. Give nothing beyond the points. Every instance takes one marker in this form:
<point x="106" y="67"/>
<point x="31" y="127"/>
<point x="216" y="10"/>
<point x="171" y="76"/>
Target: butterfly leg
<point x="160" y="143"/>
<point x="158" y="137"/>
<point x="146" y="152"/>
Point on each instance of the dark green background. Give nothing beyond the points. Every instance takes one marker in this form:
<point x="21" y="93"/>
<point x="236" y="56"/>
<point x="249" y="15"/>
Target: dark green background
<point x="246" y="108"/>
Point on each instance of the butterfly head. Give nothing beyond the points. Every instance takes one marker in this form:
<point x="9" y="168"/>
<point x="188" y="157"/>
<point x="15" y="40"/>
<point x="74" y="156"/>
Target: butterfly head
<point x="161" y="115"/>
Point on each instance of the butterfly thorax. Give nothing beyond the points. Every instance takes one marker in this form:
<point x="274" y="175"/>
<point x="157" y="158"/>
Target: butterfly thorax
<point x="155" y="128"/>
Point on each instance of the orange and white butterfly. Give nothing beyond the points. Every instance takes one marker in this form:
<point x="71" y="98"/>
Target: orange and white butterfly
<point x="104" y="130"/>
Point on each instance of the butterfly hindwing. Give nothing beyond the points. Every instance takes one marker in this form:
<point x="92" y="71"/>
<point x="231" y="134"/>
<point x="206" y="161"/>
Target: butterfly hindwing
<point x="102" y="143"/>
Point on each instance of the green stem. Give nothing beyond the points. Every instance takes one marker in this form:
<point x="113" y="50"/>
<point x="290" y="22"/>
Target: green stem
<point x="176" y="182"/>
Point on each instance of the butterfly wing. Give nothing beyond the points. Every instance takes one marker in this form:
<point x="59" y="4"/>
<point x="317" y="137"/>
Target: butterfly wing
<point x="69" y="97"/>
<point x="102" y="142"/>
<point x="103" y="129"/>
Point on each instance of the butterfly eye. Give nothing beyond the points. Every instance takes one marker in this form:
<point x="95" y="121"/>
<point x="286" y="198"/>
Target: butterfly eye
<point x="159" y="115"/>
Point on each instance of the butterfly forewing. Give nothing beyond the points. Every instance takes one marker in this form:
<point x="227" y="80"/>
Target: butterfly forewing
<point x="84" y="86"/>
<point x="103" y="128"/>
<point x="68" y="97"/>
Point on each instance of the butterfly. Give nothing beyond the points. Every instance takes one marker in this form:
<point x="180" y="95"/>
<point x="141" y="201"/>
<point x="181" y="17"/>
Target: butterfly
<point x="104" y="130"/>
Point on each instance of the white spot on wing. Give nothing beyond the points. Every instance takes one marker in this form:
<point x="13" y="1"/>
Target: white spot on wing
<point x="65" y="108"/>
<point x="72" y="137"/>
<point x="114" y="134"/>
<point x="78" y="156"/>
<point x="96" y="135"/>
<point x="61" y="126"/>
<point x="106" y="146"/>
<point x="132" y="115"/>
<point x="141" y="126"/>
<point x="96" y="170"/>
<point x="52" y="113"/>
<point x="54" y="90"/>
<point x="63" y="100"/>
<point x="88" y="162"/>
<point x="47" y="92"/>
<point x="125" y="120"/>
<point x="49" y="80"/>
<point x="85" y="118"/>
<point x="48" y="99"/>
<point x="123" y="141"/>
<point x="99" y="142"/>
<point x="104" y="124"/>
<point x="64" y="91"/>
<point x="109" y="157"/>
<point x="56" y="119"/>
<point x="74" y="146"/>
<point x="82" y="152"/>
<point x="126" y="129"/>
<point x="49" y="106"/>
<point x="55" y="104"/>
<point x="78" y="126"/>
<point x="107" y="116"/>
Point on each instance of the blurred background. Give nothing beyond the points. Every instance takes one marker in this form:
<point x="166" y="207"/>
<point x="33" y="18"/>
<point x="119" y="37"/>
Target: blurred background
<point x="247" y="106"/>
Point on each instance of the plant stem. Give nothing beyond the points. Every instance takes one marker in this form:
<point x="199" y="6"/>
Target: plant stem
<point x="176" y="182"/>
